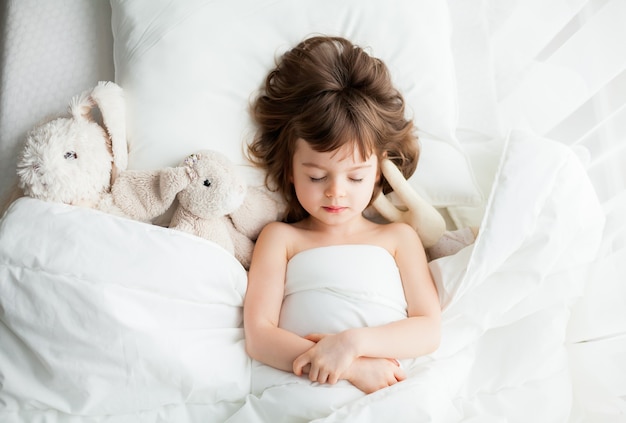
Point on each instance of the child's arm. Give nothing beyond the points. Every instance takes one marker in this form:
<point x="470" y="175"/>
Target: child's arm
<point x="420" y="334"/>
<point x="417" y="335"/>
<point x="265" y="341"/>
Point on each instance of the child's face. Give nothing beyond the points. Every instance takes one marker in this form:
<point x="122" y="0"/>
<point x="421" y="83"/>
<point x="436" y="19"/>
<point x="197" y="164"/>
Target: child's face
<point x="334" y="186"/>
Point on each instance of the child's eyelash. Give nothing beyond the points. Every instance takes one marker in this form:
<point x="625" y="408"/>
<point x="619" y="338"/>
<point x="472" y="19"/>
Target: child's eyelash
<point x="324" y="178"/>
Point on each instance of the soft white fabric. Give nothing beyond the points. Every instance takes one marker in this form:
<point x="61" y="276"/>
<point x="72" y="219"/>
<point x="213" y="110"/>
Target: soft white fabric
<point x="505" y="319"/>
<point x="191" y="68"/>
<point x="473" y="60"/>
<point x="110" y="319"/>
<point x="597" y="329"/>
<point x="106" y="316"/>
<point x="330" y="289"/>
<point x="327" y="290"/>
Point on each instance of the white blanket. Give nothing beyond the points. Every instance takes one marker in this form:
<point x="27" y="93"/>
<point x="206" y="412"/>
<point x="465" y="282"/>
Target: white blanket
<point x="106" y="316"/>
<point x="106" y="319"/>
<point x="506" y="305"/>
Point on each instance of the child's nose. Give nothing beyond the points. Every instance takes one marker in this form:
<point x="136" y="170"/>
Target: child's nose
<point x="335" y="189"/>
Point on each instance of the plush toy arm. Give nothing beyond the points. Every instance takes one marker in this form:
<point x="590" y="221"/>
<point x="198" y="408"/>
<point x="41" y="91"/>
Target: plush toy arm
<point x="243" y="245"/>
<point x="424" y="218"/>
<point x="258" y="209"/>
<point x="387" y="209"/>
<point x="145" y="195"/>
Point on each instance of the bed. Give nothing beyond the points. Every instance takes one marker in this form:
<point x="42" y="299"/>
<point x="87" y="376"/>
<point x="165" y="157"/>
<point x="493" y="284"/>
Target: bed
<point x="106" y="319"/>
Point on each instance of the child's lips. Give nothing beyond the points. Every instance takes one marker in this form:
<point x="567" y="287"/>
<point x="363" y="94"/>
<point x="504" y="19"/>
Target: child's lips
<point x="334" y="209"/>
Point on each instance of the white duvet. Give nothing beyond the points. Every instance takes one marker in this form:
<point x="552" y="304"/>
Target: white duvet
<point x="103" y="316"/>
<point x="106" y="319"/>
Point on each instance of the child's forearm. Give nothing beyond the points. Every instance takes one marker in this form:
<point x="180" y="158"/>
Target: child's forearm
<point x="407" y="338"/>
<point x="275" y="347"/>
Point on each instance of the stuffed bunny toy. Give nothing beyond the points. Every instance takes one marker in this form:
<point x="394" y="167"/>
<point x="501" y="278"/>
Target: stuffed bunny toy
<point x="74" y="159"/>
<point x="214" y="191"/>
<point x="420" y="215"/>
<point x="210" y="200"/>
<point x="245" y="223"/>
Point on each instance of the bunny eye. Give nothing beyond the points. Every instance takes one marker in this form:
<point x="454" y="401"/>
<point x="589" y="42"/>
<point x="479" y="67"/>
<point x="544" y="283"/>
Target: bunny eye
<point x="207" y="183"/>
<point x="71" y="155"/>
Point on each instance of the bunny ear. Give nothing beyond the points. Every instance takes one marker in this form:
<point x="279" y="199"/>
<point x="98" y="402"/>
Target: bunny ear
<point x="423" y="217"/>
<point x="109" y="98"/>
<point x="81" y="105"/>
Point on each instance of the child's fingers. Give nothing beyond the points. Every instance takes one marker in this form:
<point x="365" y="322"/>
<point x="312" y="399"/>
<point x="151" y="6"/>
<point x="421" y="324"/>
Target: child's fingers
<point x="332" y="378"/>
<point x="300" y="362"/>
<point x="322" y="375"/>
<point x="399" y="374"/>
<point x="315" y="337"/>
<point x="314" y="374"/>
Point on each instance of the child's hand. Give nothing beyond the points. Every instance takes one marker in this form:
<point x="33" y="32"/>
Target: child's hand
<point x="371" y="374"/>
<point x="327" y="360"/>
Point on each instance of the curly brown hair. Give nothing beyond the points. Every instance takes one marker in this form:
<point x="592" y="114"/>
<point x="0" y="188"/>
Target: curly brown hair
<point x="329" y="92"/>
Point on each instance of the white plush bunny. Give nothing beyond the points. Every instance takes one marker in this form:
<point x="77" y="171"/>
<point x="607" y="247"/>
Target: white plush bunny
<point x="74" y="159"/>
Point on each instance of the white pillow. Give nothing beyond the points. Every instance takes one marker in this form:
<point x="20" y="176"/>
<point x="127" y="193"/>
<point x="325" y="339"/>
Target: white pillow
<point x="191" y="68"/>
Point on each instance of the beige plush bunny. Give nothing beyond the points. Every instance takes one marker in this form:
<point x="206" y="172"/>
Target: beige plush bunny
<point x="420" y="215"/>
<point x="210" y="200"/>
<point x="74" y="159"/>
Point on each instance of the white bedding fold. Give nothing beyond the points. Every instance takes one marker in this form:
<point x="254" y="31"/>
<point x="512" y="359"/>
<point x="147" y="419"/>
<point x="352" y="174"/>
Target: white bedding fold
<point x="101" y="315"/>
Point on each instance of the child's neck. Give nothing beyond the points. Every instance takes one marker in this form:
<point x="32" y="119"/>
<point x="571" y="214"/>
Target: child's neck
<point x="344" y="231"/>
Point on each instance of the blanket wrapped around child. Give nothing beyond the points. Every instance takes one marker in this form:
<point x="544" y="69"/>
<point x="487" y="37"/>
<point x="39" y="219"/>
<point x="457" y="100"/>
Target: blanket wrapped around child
<point x="327" y="290"/>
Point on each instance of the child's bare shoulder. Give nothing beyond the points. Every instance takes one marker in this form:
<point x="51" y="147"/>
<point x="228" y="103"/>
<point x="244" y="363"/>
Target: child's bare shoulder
<point x="399" y="235"/>
<point x="274" y="229"/>
<point x="399" y="229"/>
